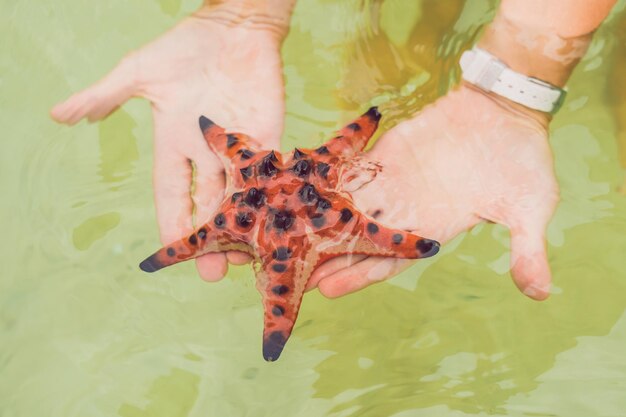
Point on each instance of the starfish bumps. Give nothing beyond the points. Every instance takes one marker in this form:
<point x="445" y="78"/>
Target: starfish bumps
<point x="290" y="212"/>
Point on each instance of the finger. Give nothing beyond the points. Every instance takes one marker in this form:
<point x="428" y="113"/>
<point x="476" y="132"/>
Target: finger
<point x="361" y="275"/>
<point x="529" y="260"/>
<point x="101" y="98"/>
<point x="172" y="182"/>
<point x="212" y="266"/>
<point x="238" y="258"/>
<point x="208" y="194"/>
<point x="331" y="267"/>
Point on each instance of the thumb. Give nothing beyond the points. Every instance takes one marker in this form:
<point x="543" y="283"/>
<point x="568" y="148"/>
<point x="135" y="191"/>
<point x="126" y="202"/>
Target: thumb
<point x="100" y="99"/>
<point x="529" y="260"/>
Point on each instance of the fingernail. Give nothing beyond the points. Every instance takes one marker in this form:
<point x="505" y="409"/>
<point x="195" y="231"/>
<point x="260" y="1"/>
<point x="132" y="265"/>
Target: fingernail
<point x="529" y="291"/>
<point x="536" y="292"/>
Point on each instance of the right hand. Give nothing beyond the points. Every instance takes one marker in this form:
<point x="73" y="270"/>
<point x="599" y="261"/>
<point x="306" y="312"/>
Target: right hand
<point x="467" y="158"/>
<point x="204" y="66"/>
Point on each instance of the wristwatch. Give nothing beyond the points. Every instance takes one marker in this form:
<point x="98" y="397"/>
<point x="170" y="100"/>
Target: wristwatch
<point x="492" y="75"/>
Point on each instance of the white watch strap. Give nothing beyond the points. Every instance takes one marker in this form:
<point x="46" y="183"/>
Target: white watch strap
<point x="490" y="74"/>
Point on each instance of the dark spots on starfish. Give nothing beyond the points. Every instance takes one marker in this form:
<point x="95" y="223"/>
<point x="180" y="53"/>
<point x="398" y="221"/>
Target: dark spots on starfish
<point x="267" y="167"/>
<point x="423" y="245"/>
<point x="427" y="247"/>
<point x="193" y="240"/>
<point x="220" y="220"/>
<point x="278" y="310"/>
<point x="396" y="238"/>
<point x="322" y="169"/>
<point x="272" y="156"/>
<point x="354" y="126"/>
<point x="372" y="228"/>
<point x="280" y="289"/>
<point x="373" y="113"/>
<point x="246" y="172"/>
<point x="279" y="267"/>
<point x="277" y="335"/>
<point x="244" y="219"/>
<point x="302" y="168"/>
<point x="377" y="213"/>
<point x="318" y="221"/>
<point x="281" y="253"/>
<point x="202" y="233"/>
<point x="308" y="194"/>
<point x="283" y="220"/>
<point x="346" y="215"/>
<point x="151" y="264"/>
<point x="205" y="123"/>
<point x="315" y="213"/>
<point x="322" y="150"/>
<point x="231" y="140"/>
<point x="273" y="345"/>
<point x="171" y="252"/>
<point x="298" y="154"/>
<point x="323" y="204"/>
<point x="236" y="197"/>
<point x="255" y="198"/>
<point x="246" y="154"/>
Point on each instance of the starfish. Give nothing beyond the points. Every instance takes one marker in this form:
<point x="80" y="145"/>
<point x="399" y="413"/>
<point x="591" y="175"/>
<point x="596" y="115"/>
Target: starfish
<point x="290" y="212"/>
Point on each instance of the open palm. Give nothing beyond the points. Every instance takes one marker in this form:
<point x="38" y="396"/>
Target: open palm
<point x="465" y="159"/>
<point x="230" y="73"/>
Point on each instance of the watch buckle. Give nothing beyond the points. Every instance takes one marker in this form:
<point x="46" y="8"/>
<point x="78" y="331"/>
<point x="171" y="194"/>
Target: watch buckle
<point x="490" y="75"/>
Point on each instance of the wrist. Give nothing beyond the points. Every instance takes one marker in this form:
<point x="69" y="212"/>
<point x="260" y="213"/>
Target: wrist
<point x="265" y="15"/>
<point x="534" y="51"/>
<point x="518" y="110"/>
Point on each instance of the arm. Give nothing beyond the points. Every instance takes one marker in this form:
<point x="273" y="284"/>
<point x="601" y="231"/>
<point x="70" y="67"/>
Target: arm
<point x="273" y="15"/>
<point x="474" y="156"/>
<point x="543" y="39"/>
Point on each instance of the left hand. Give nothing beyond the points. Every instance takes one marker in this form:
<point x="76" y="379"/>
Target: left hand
<point x="206" y="65"/>
<point x="467" y="158"/>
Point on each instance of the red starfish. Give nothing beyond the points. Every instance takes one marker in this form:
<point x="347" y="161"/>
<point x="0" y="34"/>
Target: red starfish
<point x="291" y="213"/>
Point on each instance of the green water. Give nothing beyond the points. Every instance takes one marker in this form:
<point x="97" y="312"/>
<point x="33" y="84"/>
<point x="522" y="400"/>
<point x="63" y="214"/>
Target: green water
<point x="83" y="332"/>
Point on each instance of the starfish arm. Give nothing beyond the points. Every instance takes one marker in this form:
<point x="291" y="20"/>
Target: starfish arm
<point x="237" y="151"/>
<point x="374" y="239"/>
<point x="211" y="237"/>
<point x="354" y="137"/>
<point x="202" y="241"/>
<point x="226" y="144"/>
<point x="349" y="231"/>
<point x="281" y="280"/>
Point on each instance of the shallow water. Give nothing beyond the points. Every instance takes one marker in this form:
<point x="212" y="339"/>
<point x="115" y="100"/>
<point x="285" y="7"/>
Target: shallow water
<point x="85" y="333"/>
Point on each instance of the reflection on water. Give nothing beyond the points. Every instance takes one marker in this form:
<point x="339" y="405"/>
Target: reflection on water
<point x="85" y="333"/>
<point x="94" y="228"/>
<point x="617" y="95"/>
<point x="168" y="396"/>
<point x="118" y="147"/>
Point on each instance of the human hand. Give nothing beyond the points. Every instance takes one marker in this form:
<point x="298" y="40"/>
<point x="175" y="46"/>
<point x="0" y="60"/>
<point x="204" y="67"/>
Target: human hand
<point x="217" y="63"/>
<point x="474" y="156"/>
<point x="468" y="157"/>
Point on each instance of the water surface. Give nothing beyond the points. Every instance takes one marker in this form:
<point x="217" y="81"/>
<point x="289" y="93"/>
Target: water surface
<point x="85" y="333"/>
